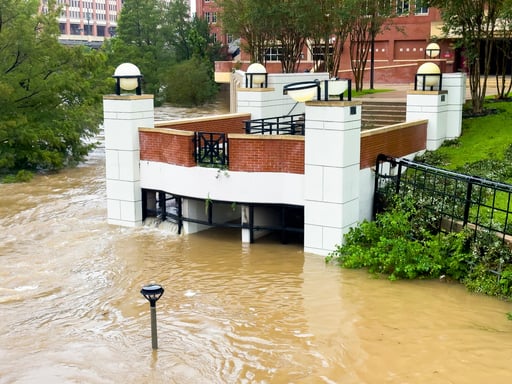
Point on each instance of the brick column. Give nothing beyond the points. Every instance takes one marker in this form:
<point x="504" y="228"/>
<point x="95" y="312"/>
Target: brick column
<point x="331" y="175"/>
<point x="123" y="115"/>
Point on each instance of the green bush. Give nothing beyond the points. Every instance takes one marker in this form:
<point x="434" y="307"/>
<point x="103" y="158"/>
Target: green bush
<point x="399" y="244"/>
<point x="190" y="83"/>
<point x="20" y="177"/>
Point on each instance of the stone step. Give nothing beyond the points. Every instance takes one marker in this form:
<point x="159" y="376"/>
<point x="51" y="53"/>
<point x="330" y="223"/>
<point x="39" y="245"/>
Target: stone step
<point x="376" y="114"/>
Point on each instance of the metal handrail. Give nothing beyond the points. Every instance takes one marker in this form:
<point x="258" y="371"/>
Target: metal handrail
<point x="281" y="125"/>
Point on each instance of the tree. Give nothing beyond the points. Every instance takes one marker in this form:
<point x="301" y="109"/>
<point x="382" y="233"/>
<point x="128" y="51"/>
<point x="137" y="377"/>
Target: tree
<point x="191" y="83"/>
<point x="141" y="40"/>
<point x="474" y="24"/>
<point x="328" y="24"/>
<point x="50" y="94"/>
<point x="288" y="33"/>
<point x="251" y="21"/>
<point x="504" y="47"/>
<point x="288" y="25"/>
<point x="155" y="35"/>
<point x="369" y="18"/>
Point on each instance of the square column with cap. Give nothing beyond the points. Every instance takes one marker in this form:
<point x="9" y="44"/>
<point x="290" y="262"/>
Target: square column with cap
<point x="331" y="176"/>
<point x="123" y="115"/>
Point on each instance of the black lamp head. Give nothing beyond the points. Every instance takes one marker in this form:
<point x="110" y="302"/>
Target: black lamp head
<point x="152" y="292"/>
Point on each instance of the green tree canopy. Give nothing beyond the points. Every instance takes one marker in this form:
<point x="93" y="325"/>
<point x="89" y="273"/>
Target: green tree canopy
<point x="473" y="24"/>
<point x="156" y="35"/>
<point x="50" y="94"/>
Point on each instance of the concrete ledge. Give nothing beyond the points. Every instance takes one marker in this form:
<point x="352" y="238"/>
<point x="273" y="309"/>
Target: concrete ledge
<point x="128" y="97"/>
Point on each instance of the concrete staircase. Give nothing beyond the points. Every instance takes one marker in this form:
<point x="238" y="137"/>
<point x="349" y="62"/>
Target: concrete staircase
<point x="380" y="113"/>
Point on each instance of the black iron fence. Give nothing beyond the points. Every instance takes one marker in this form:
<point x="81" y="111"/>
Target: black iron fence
<point x="456" y="200"/>
<point x="211" y="149"/>
<point x="281" y="125"/>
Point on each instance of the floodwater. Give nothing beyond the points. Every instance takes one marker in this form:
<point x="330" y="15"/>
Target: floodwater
<point x="71" y="311"/>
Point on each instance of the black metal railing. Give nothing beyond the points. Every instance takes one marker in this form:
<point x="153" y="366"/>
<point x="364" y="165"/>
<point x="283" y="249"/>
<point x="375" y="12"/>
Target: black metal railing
<point x="211" y="149"/>
<point x="281" y="125"/>
<point x="457" y="200"/>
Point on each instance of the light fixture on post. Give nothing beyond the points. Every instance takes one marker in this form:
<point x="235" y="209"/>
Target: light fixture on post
<point x="302" y="91"/>
<point x="428" y="75"/>
<point x="433" y="50"/>
<point x="256" y="75"/>
<point x="128" y="78"/>
<point x="152" y="293"/>
<point x="336" y="87"/>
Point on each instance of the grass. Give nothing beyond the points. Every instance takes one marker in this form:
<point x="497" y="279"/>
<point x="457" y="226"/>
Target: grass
<point x="484" y="149"/>
<point x="368" y="92"/>
<point x="483" y="138"/>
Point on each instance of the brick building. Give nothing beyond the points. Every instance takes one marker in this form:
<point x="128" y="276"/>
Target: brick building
<point x="88" y="21"/>
<point x="398" y="49"/>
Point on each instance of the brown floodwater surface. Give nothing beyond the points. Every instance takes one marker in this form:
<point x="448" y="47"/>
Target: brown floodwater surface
<point x="71" y="309"/>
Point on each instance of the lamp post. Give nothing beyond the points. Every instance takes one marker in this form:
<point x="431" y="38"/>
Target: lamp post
<point x="432" y="50"/>
<point x="152" y="293"/>
<point x="256" y="75"/>
<point x="302" y="91"/>
<point x="128" y="78"/>
<point x="428" y="75"/>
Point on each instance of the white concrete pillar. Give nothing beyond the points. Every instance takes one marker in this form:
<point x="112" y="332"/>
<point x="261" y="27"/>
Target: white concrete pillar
<point x="197" y="209"/>
<point x="259" y="102"/>
<point x="455" y="84"/>
<point x="431" y="106"/>
<point x="123" y="115"/>
<point x="331" y="175"/>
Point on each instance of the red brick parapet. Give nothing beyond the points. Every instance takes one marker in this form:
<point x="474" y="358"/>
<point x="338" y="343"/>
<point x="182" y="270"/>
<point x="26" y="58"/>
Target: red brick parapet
<point x="266" y="153"/>
<point x="277" y="153"/>
<point x="170" y="146"/>
<point x="394" y="140"/>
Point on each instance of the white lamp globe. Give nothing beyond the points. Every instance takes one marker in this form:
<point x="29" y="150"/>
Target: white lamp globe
<point x="433" y="50"/>
<point x="429" y="69"/>
<point x="255" y="69"/>
<point x="128" y="75"/>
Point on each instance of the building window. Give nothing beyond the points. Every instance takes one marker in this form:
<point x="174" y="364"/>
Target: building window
<point x="420" y="8"/>
<point x="214" y="17"/>
<point x="214" y="37"/>
<point x="402" y="7"/>
<point x="318" y="52"/>
<point x="207" y="17"/>
<point x="274" y="54"/>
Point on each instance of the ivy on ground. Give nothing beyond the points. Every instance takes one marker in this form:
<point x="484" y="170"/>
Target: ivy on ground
<point x="400" y="244"/>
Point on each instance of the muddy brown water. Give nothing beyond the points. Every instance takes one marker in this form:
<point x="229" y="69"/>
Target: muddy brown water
<point x="71" y="311"/>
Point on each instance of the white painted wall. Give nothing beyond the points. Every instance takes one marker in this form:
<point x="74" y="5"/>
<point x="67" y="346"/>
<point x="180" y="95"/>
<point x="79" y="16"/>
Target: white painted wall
<point x="270" y="101"/>
<point x="204" y="183"/>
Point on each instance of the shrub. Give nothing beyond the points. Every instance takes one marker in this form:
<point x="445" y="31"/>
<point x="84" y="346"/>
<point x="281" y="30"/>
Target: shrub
<point x="399" y="244"/>
<point x="190" y="83"/>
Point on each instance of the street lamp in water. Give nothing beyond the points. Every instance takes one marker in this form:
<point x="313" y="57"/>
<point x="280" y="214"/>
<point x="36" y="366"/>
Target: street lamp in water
<point x="152" y="293"/>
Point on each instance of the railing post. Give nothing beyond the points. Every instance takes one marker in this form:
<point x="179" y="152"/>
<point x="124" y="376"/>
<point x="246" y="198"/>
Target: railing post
<point x="467" y="203"/>
<point x="398" y="178"/>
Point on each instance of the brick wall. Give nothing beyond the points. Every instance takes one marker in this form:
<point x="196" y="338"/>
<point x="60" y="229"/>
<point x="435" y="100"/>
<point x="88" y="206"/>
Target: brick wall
<point x="255" y="153"/>
<point x="232" y="123"/>
<point x="167" y="146"/>
<point x="395" y="140"/>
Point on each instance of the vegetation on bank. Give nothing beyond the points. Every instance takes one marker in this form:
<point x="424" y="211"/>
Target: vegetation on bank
<point x="51" y="94"/>
<point x="401" y="244"/>
<point x="166" y="43"/>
